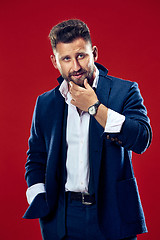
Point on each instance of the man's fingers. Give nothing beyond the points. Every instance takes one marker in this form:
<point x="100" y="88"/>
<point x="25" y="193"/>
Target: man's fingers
<point x="73" y="85"/>
<point x="73" y="102"/>
<point x="86" y="84"/>
<point x="75" y="88"/>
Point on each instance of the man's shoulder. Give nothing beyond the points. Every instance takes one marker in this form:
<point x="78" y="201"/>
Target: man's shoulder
<point x="115" y="81"/>
<point x="122" y="85"/>
<point x="49" y="94"/>
<point x="49" y="98"/>
<point x="120" y="81"/>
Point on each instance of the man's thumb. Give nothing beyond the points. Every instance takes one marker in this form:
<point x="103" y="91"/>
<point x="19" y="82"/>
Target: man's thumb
<point x="86" y="84"/>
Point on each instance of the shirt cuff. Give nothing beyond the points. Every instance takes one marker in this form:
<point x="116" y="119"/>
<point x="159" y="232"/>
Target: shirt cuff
<point x="34" y="190"/>
<point x="114" y="122"/>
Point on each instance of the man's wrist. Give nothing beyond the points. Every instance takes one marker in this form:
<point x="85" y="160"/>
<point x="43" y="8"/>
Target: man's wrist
<point x="92" y="110"/>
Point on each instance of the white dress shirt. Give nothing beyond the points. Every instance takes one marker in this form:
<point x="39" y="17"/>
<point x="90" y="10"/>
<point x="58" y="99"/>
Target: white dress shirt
<point x="77" y="132"/>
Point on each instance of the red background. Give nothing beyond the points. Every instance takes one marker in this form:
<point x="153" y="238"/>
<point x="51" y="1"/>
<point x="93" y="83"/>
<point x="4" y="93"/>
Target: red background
<point x="127" y="36"/>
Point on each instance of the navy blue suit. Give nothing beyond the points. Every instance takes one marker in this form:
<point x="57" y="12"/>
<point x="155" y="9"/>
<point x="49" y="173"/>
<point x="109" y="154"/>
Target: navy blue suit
<point x="119" y="208"/>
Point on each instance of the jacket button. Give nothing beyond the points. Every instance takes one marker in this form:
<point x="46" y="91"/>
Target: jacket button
<point x="120" y="142"/>
<point x="112" y="139"/>
<point x="108" y="137"/>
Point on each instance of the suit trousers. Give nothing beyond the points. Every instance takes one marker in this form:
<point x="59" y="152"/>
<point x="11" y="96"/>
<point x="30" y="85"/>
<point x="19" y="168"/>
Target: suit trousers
<point x="81" y="223"/>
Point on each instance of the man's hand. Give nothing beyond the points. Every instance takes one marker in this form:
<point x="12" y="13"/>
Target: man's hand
<point x="82" y="98"/>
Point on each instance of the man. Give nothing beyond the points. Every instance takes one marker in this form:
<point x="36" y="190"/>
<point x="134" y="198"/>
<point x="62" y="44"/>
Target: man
<point x="81" y="183"/>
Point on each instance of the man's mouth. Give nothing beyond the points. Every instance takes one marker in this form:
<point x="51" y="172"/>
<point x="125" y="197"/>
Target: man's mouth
<point x="77" y="76"/>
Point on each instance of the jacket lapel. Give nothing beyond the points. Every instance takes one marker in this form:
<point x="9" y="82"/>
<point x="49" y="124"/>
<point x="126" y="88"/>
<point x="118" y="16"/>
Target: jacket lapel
<point x="54" y="163"/>
<point x="96" y="130"/>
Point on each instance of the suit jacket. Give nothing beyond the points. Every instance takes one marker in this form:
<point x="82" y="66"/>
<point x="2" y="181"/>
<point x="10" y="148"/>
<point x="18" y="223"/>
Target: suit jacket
<point x="119" y="207"/>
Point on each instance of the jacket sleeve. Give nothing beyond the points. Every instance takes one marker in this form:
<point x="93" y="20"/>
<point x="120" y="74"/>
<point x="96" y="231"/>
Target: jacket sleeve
<point x="136" y="133"/>
<point x="37" y="155"/>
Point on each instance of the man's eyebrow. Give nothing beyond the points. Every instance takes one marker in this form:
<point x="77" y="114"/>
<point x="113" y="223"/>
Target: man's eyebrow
<point x="81" y="52"/>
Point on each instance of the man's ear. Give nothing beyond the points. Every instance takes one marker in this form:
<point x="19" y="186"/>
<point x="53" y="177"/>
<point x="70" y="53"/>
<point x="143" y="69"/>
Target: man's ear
<point x="53" y="60"/>
<point x="95" y="53"/>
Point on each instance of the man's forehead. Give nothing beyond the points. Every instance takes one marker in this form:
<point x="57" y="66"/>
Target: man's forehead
<point x="77" y="45"/>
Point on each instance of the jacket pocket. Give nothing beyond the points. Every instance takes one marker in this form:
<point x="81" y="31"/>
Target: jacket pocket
<point x="38" y="208"/>
<point x="129" y="202"/>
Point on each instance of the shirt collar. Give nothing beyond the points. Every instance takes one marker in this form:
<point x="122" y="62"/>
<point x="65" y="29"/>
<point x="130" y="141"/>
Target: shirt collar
<point x="64" y="85"/>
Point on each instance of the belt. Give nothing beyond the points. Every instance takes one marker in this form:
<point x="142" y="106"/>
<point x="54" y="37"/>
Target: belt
<point x="84" y="198"/>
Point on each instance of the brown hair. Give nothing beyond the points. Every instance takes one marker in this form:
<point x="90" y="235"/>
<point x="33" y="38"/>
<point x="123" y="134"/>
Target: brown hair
<point x="69" y="30"/>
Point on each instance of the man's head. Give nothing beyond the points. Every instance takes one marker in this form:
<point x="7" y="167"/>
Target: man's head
<point x="74" y="55"/>
<point x="68" y="31"/>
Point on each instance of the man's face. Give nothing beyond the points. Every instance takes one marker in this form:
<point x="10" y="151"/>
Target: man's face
<point x="75" y="61"/>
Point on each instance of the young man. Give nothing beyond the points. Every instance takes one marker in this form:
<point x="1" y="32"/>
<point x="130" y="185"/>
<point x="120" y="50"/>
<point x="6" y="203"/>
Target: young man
<point x="79" y="172"/>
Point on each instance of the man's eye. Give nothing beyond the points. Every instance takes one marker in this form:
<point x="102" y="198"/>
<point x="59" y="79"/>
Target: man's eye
<point x="80" y="56"/>
<point x="66" y="59"/>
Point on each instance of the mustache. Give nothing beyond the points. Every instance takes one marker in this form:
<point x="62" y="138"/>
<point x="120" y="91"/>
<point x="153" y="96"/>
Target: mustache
<point x="75" y="73"/>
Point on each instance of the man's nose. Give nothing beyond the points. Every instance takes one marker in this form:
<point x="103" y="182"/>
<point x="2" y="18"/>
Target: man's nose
<point x="76" y="66"/>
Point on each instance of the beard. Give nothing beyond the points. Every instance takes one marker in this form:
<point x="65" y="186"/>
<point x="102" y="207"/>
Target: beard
<point x="79" y="76"/>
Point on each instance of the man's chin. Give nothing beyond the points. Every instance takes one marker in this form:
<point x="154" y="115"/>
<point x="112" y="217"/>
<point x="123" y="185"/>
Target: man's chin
<point x="79" y="82"/>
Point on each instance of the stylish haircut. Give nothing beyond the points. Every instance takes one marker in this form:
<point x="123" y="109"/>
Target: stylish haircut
<point x="67" y="31"/>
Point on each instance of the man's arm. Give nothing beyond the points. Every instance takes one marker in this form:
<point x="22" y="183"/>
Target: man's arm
<point x="37" y="156"/>
<point x="35" y="171"/>
<point x="36" y="161"/>
<point x="134" y="130"/>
